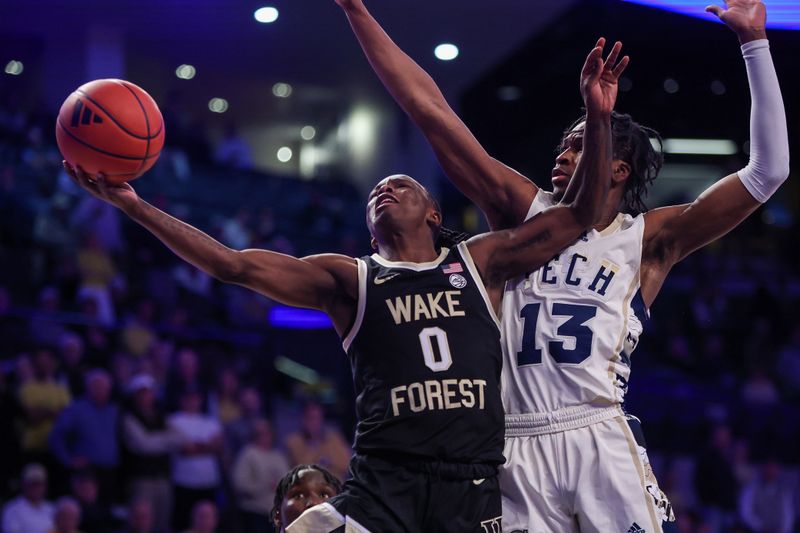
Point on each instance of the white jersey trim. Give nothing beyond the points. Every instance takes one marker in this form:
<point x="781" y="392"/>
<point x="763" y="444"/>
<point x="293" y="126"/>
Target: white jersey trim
<point x="417" y="267"/>
<point x="473" y="270"/>
<point x="362" y="304"/>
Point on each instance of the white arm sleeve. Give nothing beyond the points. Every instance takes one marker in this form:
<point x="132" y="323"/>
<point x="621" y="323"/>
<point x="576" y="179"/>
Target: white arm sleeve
<point x="768" y="167"/>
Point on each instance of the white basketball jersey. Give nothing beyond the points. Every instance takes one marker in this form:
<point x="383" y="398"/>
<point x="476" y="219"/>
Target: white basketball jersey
<point x="569" y="327"/>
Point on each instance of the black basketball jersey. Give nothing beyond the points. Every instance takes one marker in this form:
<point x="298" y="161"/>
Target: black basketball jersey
<point x="426" y="359"/>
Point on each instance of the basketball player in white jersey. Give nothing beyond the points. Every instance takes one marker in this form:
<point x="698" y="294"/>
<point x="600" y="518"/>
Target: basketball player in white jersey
<point x="574" y="460"/>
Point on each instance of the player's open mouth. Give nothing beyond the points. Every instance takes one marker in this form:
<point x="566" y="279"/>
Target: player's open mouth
<point x="384" y="200"/>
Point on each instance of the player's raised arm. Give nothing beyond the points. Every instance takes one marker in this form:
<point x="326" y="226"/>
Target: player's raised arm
<point x="503" y="194"/>
<point x="674" y="232"/>
<point x="324" y="282"/>
<point x="505" y="254"/>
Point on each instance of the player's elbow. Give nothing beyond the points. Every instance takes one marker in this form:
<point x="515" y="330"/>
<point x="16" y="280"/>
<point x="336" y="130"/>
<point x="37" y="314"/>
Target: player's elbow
<point x="229" y="268"/>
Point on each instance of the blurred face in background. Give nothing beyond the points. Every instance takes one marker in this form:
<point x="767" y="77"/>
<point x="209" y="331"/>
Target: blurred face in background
<point x="262" y="434"/>
<point x="204" y="518"/>
<point x="313" y="419"/>
<point x="98" y="387"/>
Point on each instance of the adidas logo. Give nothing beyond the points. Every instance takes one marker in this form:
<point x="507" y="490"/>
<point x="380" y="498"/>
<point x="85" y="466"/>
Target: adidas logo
<point x="82" y="115"/>
<point x="636" y="528"/>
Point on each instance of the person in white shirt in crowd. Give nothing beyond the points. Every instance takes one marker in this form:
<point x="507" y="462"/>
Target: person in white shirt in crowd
<point x="195" y="465"/>
<point x="30" y="512"/>
<point x="256" y="473"/>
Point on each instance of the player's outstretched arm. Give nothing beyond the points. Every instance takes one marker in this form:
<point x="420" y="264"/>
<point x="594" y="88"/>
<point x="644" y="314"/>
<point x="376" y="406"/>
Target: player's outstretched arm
<point x="672" y="233"/>
<point x="505" y="254"/>
<point x="503" y="194"/>
<point x="323" y="282"/>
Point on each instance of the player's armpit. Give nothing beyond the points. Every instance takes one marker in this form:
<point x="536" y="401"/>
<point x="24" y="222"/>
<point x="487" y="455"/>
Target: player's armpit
<point x="672" y="233"/>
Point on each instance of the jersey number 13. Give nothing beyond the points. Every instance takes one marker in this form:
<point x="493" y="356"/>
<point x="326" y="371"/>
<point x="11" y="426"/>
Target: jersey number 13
<point x="574" y="327"/>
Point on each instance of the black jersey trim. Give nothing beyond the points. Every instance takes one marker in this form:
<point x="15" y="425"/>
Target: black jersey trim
<point x="362" y="304"/>
<point x="476" y="275"/>
<point x="416" y="267"/>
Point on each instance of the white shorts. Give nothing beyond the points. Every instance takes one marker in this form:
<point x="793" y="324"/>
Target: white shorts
<point x="594" y="478"/>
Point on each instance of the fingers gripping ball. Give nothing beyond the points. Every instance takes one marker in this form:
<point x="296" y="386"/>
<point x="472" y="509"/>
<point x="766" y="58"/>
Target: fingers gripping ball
<point x="111" y="127"/>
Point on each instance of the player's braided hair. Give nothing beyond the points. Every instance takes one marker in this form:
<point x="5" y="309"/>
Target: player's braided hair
<point x="632" y="143"/>
<point x="291" y="478"/>
<point x="449" y="238"/>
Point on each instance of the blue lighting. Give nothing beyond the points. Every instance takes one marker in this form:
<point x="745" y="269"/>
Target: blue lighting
<point x="292" y="318"/>
<point x="781" y="14"/>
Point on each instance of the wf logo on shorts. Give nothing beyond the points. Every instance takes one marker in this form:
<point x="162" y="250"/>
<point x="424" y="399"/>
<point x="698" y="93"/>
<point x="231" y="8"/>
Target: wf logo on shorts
<point x="493" y="525"/>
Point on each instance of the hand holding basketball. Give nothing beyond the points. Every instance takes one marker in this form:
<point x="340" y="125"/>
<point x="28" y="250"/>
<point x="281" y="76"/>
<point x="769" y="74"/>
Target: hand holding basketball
<point x="120" y="195"/>
<point x="110" y="127"/>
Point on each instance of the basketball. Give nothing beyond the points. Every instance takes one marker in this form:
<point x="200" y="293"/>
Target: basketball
<point x="112" y="127"/>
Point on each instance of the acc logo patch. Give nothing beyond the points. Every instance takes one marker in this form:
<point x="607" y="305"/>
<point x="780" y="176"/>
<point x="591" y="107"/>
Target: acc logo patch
<point x="458" y="281"/>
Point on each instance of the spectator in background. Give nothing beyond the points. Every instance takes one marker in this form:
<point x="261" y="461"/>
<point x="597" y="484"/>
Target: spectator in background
<point x="139" y="333"/>
<point x="85" y="434"/>
<point x="316" y="443"/>
<point x="73" y="366"/>
<point x="42" y="399"/>
<point x="67" y="516"/>
<point x="233" y="151"/>
<point x="302" y="487"/>
<point x="140" y="518"/>
<point x="95" y="516"/>
<point x="788" y="365"/>
<point x="223" y="402"/>
<point x="236" y="231"/>
<point x="30" y="512"/>
<point x="99" y="218"/>
<point x="256" y="473"/>
<point x="715" y="479"/>
<point x="765" y="504"/>
<point x="238" y="432"/>
<point x="9" y="437"/>
<point x="186" y="377"/>
<point x="195" y="467"/>
<point x="147" y="443"/>
<point x="45" y="327"/>
<point x="204" y="518"/>
<point x="97" y="271"/>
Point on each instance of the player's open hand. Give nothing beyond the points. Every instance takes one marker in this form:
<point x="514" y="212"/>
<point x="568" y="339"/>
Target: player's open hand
<point x="122" y="196"/>
<point x="599" y="79"/>
<point x="748" y="18"/>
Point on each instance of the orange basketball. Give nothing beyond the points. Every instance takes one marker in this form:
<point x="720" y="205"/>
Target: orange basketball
<point x="112" y="127"/>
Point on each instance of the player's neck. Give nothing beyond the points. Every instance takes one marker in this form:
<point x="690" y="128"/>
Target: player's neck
<point x="610" y="211"/>
<point x="400" y="247"/>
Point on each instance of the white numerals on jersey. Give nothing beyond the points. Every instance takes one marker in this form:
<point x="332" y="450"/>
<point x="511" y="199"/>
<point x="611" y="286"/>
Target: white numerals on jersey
<point x="574" y="328"/>
<point x="426" y="337"/>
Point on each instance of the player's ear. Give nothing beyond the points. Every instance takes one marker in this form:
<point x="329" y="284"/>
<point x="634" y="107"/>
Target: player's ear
<point x="434" y="217"/>
<point x="374" y="243"/>
<point x="276" y="520"/>
<point x="620" y="170"/>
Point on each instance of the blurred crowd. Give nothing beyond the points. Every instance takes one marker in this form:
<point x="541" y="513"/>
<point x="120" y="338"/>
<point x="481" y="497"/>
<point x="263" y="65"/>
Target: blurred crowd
<point x="138" y="394"/>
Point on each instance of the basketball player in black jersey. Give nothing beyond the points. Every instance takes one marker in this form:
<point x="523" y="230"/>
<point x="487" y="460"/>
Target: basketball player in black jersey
<point x="419" y="326"/>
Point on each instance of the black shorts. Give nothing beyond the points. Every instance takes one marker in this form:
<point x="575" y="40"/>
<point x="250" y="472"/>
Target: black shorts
<point x="386" y="496"/>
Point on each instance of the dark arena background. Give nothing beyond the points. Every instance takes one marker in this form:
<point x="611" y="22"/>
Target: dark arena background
<point x="275" y="132"/>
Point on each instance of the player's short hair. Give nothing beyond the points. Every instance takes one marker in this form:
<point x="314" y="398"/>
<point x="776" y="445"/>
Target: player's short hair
<point x="633" y="143"/>
<point x="292" y="477"/>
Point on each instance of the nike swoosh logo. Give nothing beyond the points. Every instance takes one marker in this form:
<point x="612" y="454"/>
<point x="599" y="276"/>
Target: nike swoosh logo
<point x="478" y="481"/>
<point x="384" y="279"/>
